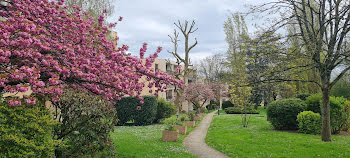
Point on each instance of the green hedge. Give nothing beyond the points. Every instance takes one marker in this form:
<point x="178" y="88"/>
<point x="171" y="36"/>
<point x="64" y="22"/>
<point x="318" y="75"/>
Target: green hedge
<point x="309" y="122"/>
<point x="283" y="113"/>
<point x="164" y="110"/>
<point x="338" y="106"/>
<point x="129" y="108"/>
<point x="227" y="104"/>
<point x="240" y="110"/>
<point x="302" y="96"/>
<point x="147" y="113"/>
<point x="26" y="131"/>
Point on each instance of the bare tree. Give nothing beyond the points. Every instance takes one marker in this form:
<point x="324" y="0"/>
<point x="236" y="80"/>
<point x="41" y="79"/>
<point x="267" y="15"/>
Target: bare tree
<point x="323" y="27"/>
<point x="94" y="7"/>
<point x="212" y="67"/>
<point x="186" y="30"/>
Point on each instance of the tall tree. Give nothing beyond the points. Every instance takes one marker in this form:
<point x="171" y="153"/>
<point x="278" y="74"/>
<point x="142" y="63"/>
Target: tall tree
<point x="237" y="38"/>
<point x="186" y="30"/>
<point x="94" y="7"/>
<point x="212" y="67"/>
<point x="323" y="27"/>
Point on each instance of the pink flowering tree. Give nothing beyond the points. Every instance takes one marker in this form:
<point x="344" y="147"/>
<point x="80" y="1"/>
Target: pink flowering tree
<point x="47" y="49"/>
<point x="198" y="94"/>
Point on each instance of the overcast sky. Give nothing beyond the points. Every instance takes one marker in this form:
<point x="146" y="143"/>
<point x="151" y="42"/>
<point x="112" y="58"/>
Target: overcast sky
<point x="151" y="21"/>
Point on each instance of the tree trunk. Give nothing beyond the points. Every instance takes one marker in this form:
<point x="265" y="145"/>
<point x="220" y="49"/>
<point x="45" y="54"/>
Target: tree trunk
<point x="326" y="124"/>
<point x="177" y="101"/>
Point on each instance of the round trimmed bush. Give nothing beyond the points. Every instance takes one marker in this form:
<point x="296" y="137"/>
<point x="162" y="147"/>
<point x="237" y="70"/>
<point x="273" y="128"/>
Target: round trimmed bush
<point x="339" y="115"/>
<point x="164" y="110"/>
<point x="313" y="103"/>
<point x="26" y="131"/>
<point x="302" y="96"/>
<point x="283" y="113"/>
<point x="227" y="104"/>
<point x="309" y="122"/>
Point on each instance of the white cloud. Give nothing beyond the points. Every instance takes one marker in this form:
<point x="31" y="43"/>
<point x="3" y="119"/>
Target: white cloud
<point x="152" y="21"/>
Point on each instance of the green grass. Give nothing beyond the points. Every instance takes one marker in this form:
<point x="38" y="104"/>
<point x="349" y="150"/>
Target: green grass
<point x="227" y="135"/>
<point x="146" y="142"/>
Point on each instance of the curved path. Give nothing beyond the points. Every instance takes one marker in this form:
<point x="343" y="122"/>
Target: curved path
<point x="195" y="141"/>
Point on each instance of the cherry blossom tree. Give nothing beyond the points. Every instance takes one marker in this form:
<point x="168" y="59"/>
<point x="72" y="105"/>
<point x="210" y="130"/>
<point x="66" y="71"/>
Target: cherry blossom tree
<point x="47" y="49"/>
<point x="198" y="94"/>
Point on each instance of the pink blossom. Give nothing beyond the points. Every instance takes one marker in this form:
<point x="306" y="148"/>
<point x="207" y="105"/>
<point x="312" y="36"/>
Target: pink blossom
<point x="55" y="49"/>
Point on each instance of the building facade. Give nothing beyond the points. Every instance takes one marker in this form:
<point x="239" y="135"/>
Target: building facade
<point x="168" y="67"/>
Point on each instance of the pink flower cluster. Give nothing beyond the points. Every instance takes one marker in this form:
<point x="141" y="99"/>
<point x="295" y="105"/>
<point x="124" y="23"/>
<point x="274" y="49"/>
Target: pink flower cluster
<point x="44" y="47"/>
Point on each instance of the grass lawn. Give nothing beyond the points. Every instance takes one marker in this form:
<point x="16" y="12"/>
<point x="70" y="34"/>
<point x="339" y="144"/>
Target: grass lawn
<point x="227" y="135"/>
<point x="146" y="142"/>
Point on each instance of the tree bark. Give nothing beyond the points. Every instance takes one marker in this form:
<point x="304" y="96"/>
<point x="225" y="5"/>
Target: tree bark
<point x="326" y="124"/>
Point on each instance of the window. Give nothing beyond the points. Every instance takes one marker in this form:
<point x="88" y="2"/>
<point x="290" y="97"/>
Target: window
<point x="156" y="67"/>
<point x="169" y="95"/>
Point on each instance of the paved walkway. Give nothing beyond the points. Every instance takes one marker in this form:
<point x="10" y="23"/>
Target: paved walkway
<point x="195" y="141"/>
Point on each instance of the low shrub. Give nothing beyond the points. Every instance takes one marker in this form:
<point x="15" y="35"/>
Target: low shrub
<point x="241" y="110"/>
<point x="313" y="103"/>
<point x="26" y="131"/>
<point x="302" y="96"/>
<point x="191" y="115"/>
<point x="170" y="122"/>
<point x="339" y="116"/>
<point x="227" y="104"/>
<point x="338" y="110"/>
<point x="183" y="117"/>
<point x="86" y="122"/>
<point x="164" y="110"/>
<point x="283" y="113"/>
<point x="309" y="122"/>
<point x="129" y="108"/>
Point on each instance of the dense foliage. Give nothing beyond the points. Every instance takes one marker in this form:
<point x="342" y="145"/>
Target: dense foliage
<point x="302" y="96"/>
<point x="309" y="122"/>
<point x="283" y="113"/>
<point x="86" y="122"/>
<point x="342" y="88"/>
<point x="26" y="131"/>
<point x="227" y="104"/>
<point x="314" y="103"/>
<point x="241" y="110"/>
<point x="339" y="110"/>
<point x="44" y="47"/>
<point x="170" y="122"/>
<point x="164" y="110"/>
<point x="130" y="109"/>
<point x="146" y="113"/>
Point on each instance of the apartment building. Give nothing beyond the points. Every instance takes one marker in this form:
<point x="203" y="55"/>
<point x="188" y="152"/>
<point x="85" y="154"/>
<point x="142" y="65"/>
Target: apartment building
<point x="169" y="66"/>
